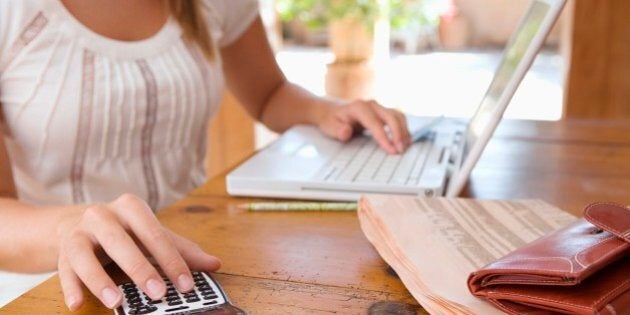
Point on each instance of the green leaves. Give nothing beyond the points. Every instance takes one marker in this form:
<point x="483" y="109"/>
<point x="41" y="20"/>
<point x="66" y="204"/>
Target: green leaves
<point x="409" y="13"/>
<point x="316" y="14"/>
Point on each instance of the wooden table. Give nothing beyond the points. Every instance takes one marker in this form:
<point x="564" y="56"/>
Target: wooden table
<point x="302" y="263"/>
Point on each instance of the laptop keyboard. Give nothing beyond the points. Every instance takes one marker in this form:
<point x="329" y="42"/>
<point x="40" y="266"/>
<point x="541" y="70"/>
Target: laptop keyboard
<point x="361" y="160"/>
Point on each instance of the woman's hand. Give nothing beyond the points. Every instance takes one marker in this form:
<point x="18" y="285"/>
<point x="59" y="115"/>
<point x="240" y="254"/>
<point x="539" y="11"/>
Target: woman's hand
<point x="124" y="230"/>
<point x="387" y="126"/>
<point x="270" y="98"/>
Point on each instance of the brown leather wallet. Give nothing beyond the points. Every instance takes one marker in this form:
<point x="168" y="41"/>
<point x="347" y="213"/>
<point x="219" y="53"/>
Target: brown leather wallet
<point x="583" y="268"/>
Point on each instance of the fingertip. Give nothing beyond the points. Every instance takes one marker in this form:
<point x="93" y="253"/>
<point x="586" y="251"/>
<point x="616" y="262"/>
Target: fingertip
<point x="205" y="262"/>
<point x="111" y="298"/>
<point x="213" y="263"/>
<point x="74" y="303"/>
<point x="155" y="288"/>
<point x="344" y="132"/>
<point x="389" y="148"/>
<point x="185" y="283"/>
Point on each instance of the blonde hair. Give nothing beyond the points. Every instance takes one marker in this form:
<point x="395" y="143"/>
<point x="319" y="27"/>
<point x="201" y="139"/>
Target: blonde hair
<point x="188" y="14"/>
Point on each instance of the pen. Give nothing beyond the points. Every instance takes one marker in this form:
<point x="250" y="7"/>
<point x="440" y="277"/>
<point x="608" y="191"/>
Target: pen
<point x="299" y="206"/>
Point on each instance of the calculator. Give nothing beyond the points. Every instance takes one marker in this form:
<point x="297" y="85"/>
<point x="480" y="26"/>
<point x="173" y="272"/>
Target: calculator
<point x="207" y="297"/>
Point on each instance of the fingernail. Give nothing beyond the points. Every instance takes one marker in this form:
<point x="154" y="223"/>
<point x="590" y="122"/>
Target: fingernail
<point x="155" y="289"/>
<point x="399" y="147"/>
<point x="110" y="297"/>
<point x="71" y="303"/>
<point x="184" y="282"/>
<point x="216" y="263"/>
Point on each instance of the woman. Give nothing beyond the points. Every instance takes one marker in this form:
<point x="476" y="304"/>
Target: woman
<point x="105" y="106"/>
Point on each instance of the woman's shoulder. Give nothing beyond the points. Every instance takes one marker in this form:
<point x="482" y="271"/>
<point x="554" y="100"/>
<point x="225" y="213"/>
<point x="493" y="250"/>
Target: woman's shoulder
<point x="228" y="19"/>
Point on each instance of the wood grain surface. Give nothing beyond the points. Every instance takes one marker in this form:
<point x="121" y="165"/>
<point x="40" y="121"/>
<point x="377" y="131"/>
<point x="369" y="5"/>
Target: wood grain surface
<point x="598" y="84"/>
<point x="319" y="262"/>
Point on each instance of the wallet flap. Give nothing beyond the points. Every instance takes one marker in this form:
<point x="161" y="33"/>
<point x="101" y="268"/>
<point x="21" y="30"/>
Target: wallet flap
<point x="611" y="217"/>
<point x="565" y="257"/>
<point x="582" y="268"/>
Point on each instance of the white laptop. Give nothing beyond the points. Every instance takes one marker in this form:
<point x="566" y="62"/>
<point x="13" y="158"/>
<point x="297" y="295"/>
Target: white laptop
<point x="305" y="164"/>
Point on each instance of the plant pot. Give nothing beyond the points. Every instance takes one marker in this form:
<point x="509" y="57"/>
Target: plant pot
<point x="350" y="40"/>
<point x="350" y="80"/>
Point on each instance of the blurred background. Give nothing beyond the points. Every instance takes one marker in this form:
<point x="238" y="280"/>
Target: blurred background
<point x="424" y="57"/>
<point x="436" y="57"/>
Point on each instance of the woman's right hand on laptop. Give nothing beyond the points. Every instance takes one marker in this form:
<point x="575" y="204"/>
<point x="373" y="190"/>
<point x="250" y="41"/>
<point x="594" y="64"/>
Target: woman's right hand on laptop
<point x="388" y="126"/>
<point x="124" y="231"/>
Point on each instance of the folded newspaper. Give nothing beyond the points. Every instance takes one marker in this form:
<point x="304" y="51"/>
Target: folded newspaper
<point x="433" y="244"/>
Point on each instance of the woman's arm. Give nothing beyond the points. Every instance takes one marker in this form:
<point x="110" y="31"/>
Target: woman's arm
<point x="32" y="233"/>
<point x="7" y="186"/>
<point x="76" y="239"/>
<point x="258" y="83"/>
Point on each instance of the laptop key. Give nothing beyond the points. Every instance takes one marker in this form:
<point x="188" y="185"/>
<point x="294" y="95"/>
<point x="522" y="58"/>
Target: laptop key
<point x="406" y="163"/>
<point x="340" y="161"/>
<point x="352" y="170"/>
<point x="418" y="165"/>
<point x="386" y="171"/>
<point x="371" y="166"/>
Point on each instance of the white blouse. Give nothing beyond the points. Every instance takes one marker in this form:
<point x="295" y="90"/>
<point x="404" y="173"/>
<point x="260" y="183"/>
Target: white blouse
<point x="90" y="117"/>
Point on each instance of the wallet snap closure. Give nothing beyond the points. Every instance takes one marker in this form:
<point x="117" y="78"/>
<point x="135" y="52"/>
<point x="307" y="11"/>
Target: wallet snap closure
<point x="596" y="230"/>
<point x="610" y="217"/>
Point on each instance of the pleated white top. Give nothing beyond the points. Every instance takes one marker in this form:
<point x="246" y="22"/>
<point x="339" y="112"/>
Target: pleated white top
<point x="91" y="117"/>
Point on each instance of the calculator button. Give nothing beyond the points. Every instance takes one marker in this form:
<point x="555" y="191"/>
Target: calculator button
<point x="172" y="298"/>
<point x="132" y="295"/>
<point x="209" y="296"/>
<point x="175" y="303"/>
<point x="130" y="292"/>
<point x="134" y="300"/>
<point x="193" y="299"/>
<point x="179" y="308"/>
<point x="143" y="310"/>
<point x="210" y="303"/>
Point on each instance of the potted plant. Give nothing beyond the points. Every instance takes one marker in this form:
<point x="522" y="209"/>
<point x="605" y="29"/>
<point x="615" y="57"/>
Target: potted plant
<point x="415" y="21"/>
<point x="350" y="37"/>
<point x="351" y="34"/>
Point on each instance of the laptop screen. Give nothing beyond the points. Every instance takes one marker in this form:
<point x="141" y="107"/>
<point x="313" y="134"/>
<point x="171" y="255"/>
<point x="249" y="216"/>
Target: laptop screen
<point x="518" y="56"/>
<point x="514" y="52"/>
